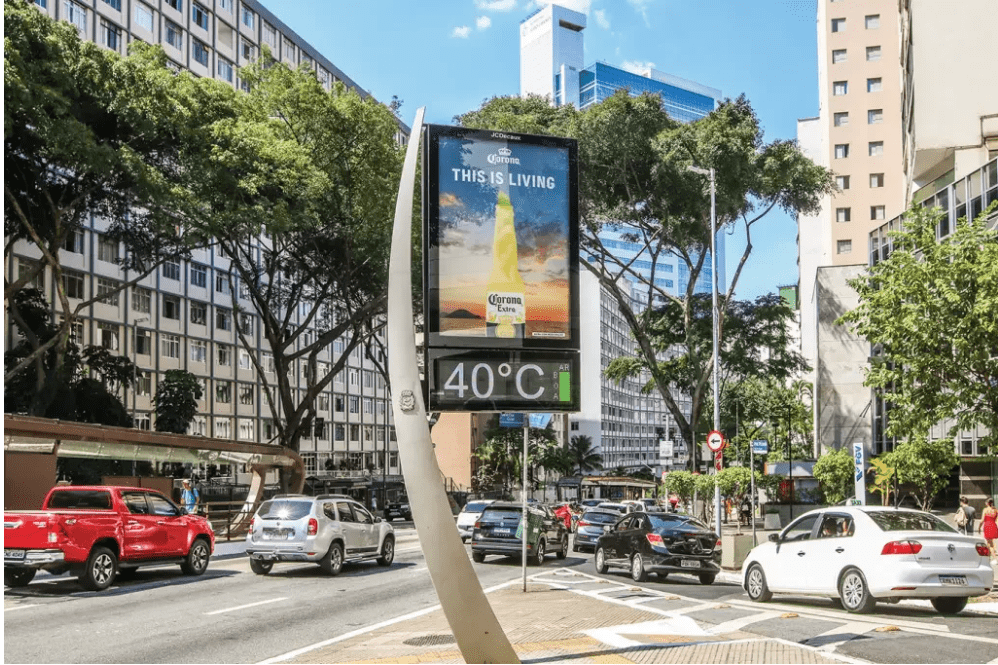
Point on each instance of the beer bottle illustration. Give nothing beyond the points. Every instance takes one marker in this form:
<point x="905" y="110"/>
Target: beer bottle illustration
<point x="505" y="305"/>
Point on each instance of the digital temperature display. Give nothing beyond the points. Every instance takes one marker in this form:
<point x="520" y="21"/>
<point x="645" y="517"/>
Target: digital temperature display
<point x="503" y="381"/>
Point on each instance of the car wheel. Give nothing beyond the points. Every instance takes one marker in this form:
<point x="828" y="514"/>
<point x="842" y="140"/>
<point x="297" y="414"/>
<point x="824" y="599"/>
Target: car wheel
<point x="387" y="552"/>
<point x="478" y="557"/>
<point x="332" y="562"/>
<point x="100" y="569"/>
<point x="949" y="605"/>
<point x="638" y="572"/>
<point x="260" y="567"/>
<point x="600" y="560"/>
<point x="707" y="578"/>
<point x="755" y="584"/>
<point x="854" y="592"/>
<point x="18" y="577"/>
<point x="197" y="558"/>
<point x="563" y="552"/>
<point x="538" y="558"/>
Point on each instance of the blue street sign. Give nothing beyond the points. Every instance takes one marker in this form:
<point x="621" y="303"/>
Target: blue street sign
<point x="540" y="420"/>
<point x="760" y="446"/>
<point x="510" y="420"/>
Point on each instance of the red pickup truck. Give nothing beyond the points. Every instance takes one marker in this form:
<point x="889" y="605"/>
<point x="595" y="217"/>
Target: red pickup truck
<point x="100" y="532"/>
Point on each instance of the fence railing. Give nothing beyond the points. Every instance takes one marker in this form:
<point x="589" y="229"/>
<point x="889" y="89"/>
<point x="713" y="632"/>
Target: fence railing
<point x="229" y="519"/>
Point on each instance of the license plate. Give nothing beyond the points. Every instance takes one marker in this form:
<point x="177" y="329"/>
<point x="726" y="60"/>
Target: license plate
<point x="689" y="563"/>
<point x="502" y="532"/>
<point x="282" y="534"/>
<point x="958" y="580"/>
<point x="13" y="554"/>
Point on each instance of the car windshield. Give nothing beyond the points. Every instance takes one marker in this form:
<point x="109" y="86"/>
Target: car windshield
<point x="664" y="521"/>
<point x="905" y="521"/>
<point x="600" y="518"/>
<point x="284" y="509"/>
<point x="500" y="513"/>
<point x="475" y="507"/>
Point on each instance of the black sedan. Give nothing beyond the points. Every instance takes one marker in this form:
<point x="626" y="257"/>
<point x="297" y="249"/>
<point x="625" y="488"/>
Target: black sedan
<point x="592" y="525"/>
<point x="660" y="543"/>
<point x="398" y="510"/>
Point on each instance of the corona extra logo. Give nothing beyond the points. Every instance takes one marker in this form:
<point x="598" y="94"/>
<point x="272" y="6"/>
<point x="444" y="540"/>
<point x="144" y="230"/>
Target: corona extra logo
<point x="502" y="156"/>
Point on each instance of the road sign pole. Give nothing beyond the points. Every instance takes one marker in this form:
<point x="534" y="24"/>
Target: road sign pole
<point x="526" y="521"/>
<point x="752" y="477"/>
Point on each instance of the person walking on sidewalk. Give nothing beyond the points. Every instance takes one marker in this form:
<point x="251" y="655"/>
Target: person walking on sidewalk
<point x="989" y="528"/>
<point x="965" y="516"/>
<point x="190" y="497"/>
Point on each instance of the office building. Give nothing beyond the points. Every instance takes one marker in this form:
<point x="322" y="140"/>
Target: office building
<point x="183" y="315"/>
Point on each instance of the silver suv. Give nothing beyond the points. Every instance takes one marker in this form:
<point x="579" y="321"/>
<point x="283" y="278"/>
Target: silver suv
<point x="329" y="530"/>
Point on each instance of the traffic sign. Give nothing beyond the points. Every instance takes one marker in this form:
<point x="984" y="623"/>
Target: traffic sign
<point x="760" y="446"/>
<point x="510" y="420"/>
<point x="718" y="458"/>
<point x="715" y="441"/>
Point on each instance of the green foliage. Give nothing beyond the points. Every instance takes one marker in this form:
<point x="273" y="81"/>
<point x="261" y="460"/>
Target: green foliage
<point x="758" y="407"/>
<point x="834" y="470"/>
<point x="583" y="455"/>
<point x="680" y="483"/>
<point x="500" y="458"/>
<point x="924" y="466"/>
<point x="734" y="481"/>
<point x="176" y="401"/>
<point x="931" y="309"/>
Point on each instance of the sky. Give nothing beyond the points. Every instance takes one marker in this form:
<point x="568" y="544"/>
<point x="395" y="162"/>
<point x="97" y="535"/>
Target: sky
<point x="451" y="55"/>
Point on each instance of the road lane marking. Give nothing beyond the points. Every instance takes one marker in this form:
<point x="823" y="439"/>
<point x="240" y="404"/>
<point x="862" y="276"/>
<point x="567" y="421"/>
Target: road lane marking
<point x="243" y="607"/>
<point x="19" y="607"/>
<point x="737" y="624"/>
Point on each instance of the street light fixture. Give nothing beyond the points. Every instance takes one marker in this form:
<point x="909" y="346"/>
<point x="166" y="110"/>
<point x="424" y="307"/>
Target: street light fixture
<point x="717" y="359"/>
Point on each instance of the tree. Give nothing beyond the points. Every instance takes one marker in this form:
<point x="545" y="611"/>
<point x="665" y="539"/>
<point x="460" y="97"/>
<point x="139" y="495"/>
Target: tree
<point x="930" y="310"/>
<point x="704" y="484"/>
<point x="298" y="194"/>
<point x="758" y="407"/>
<point x="501" y="456"/>
<point x="89" y="133"/>
<point x="176" y="401"/>
<point x="925" y="466"/>
<point x="584" y="456"/>
<point x="734" y="481"/>
<point x="633" y="162"/>
<point x="834" y="471"/>
<point x="680" y="483"/>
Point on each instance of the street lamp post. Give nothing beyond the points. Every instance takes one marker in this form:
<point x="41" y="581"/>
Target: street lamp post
<point x="717" y="357"/>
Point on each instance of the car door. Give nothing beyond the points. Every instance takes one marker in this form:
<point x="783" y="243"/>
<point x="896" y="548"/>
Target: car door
<point x="552" y="535"/>
<point x="142" y="537"/>
<point x="613" y="547"/>
<point x="174" y="524"/>
<point x="791" y="567"/>
<point x="353" y="537"/>
<point x="632" y="537"/>
<point x="834" y="545"/>
<point x="367" y="529"/>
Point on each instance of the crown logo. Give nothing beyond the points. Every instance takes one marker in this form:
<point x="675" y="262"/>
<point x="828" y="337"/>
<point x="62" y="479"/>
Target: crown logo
<point x="505" y="152"/>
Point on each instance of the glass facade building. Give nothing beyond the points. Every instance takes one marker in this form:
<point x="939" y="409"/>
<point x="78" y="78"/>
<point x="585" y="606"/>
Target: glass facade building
<point x="683" y="103"/>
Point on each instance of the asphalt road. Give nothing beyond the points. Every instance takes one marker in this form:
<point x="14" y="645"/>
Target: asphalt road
<point x="230" y="615"/>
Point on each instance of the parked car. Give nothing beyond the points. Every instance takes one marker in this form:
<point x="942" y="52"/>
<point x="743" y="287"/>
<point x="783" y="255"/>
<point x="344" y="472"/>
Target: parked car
<point x="398" y="509"/>
<point x="621" y="508"/>
<point x="650" y="504"/>
<point x="590" y="503"/>
<point x="659" y="543"/>
<point x="498" y="531"/>
<point x="593" y="524"/>
<point x="862" y="554"/>
<point x="469" y="515"/>
<point x="102" y="532"/>
<point x="329" y="530"/>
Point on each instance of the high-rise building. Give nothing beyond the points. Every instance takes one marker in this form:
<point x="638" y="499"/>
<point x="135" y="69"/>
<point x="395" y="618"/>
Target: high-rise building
<point x="183" y="316"/>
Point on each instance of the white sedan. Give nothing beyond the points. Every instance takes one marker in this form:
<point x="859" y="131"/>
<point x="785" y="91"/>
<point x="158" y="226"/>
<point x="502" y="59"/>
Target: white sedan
<point x="861" y="554"/>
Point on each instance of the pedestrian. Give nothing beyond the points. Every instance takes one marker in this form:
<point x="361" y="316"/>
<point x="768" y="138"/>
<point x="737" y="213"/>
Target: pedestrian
<point x="674" y="502"/>
<point x="965" y="516"/>
<point x="746" y="510"/>
<point x="190" y="498"/>
<point x="989" y="528"/>
<point x="727" y="509"/>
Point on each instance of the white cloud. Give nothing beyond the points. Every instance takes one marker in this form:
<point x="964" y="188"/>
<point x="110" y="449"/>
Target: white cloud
<point x="462" y="32"/>
<point x="483" y="22"/>
<point x="601" y="19"/>
<point x="641" y="7"/>
<point x="496" y="5"/>
<point x="636" y="66"/>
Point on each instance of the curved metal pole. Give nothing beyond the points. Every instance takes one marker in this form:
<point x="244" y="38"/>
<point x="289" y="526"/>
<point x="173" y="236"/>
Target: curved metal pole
<point x="476" y="629"/>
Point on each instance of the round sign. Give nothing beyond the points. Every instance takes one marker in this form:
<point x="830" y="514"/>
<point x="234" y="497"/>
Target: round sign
<point x="715" y="441"/>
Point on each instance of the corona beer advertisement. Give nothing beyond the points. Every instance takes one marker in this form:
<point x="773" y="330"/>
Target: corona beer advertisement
<point x="502" y="242"/>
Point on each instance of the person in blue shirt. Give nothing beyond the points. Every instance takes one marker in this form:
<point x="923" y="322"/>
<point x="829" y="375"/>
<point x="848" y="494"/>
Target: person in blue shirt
<point x="190" y="497"/>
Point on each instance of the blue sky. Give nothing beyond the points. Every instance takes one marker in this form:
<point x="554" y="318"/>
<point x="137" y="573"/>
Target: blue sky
<point x="450" y="55"/>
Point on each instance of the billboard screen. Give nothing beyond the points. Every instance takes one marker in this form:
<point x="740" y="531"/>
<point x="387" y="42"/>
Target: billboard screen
<point x="501" y="240"/>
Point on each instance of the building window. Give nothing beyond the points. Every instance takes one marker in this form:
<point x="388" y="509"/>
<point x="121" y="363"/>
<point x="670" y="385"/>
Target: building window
<point x="199" y="275"/>
<point x="226" y="5"/>
<point x="109" y="287"/>
<point x="143" y="342"/>
<point x="872" y="21"/>
<point x="840" y="88"/>
<point x="838" y="25"/>
<point x="223" y="426"/>
<point x="199" y="351"/>
<point x="74" y="242"/>
<point x="224" y="69"/>
<point x="171" y="307"/>
<point x="141" y="300"/>
<point x="874" y="84"/>
<point x="339" y="432"/>
<point x="368" y="405"/>
<point x="222" y="283"/>
<point x="108" y="335"/>
<point x="876" y="148"/>
<point x="840" y="119"/>
<point x="198" y="312"/>
<point x="169" y="346"/>
<point x="872" y="53"/>
<point x="248" y="17"/>
<point x="843" y="214"/>
<point x="246" y="395"/>
<point x="77" y="15"/>
<point x="289" y="49"/>
<point x="270" y="35"/>
<point x="354" y="404"/>
<point x="143" y="16"/>
<point x="876" y="180"/>
<point x="223" y="392"/>
<point x="246" y="324"/>
<point x="844" y="246"/>
<point x="841" y="150"/>
<point x="355" y="432"/>
<point x="267" y="361"/>
<point x="176" y="4"/>
<point x="107" y="249"/>
<point x="110" y="36"/>
<point x="247" y="50"/>
<point x="838" y="55"/>
<point x="339" y="403"/>
<point x="244" y="359"/>
<point x="24" y="266"/>
<point x="842" y="182"/>
<point x="223" y="319"/>
<point x="223" y="353"/>
<point x="174" y="36"/>
<point x="875" y="116"/>
<point x="199" y="16"/>
<point x="113" y="4"/>
<point x="876" y="212"/>
<point x="200" y="52"/>
<point x="171" y="270"/>
<point x="144" y="383"/>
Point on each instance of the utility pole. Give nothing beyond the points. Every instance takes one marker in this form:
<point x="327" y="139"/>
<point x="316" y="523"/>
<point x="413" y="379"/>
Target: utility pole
<point x="790" y="455"/>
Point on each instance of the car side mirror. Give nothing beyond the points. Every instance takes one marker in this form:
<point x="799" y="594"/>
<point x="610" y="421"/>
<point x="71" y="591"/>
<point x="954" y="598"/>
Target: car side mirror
<point x="774" y="537"/>
<point x="183" y="511"/>
<point x="378" y="519"/>
<point x="606" y="529"/>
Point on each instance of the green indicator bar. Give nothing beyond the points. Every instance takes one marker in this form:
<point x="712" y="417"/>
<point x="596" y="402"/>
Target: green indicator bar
<point x="565" y="386"/>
